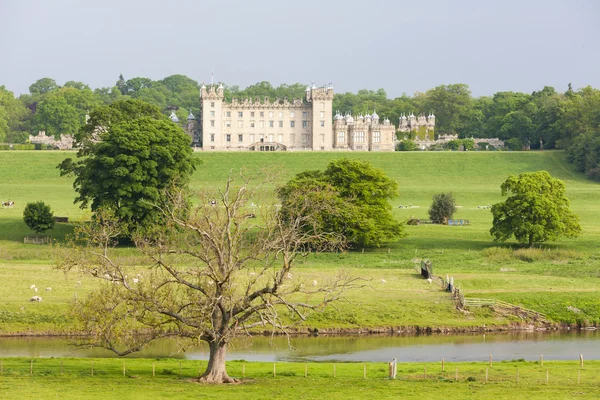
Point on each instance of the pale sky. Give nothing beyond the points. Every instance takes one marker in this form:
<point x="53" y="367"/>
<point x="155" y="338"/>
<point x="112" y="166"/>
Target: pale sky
<point x="401" y="46"/>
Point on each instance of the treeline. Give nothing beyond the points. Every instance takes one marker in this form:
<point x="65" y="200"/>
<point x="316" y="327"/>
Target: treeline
<point x="546" y="118"/>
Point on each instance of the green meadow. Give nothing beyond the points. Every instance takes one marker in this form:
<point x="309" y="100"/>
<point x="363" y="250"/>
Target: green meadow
<point x="133" y="379"/>
<point x="560" y="279"/>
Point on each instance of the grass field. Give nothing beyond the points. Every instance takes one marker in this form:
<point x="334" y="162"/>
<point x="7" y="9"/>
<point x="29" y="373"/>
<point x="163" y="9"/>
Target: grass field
<point x="72" y="379"/>
<point x="561" y="280"/>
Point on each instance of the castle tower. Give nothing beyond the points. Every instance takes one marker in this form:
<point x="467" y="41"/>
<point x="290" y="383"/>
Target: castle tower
<point x="321" y="100"/>
<point x="211" y="117"/>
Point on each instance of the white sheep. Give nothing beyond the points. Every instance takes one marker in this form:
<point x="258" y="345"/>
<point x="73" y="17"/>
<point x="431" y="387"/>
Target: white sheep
<point x="135" y="280"/>
<point x="78" y="283"/>
<point x="36" y="299"/>
<point x="383" y="281"/>
<point x="288" y="275"/>
<point x="315" y="283"/>
<point x="32" y="287"/>
<point x="35" y="289"/>
<point x="429" y="280"/>
<point x="48" y="289"/>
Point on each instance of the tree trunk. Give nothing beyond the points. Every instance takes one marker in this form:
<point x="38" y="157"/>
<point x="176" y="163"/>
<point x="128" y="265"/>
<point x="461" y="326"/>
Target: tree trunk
<point x="530" y="241"/>
<point x="216" y="371"/>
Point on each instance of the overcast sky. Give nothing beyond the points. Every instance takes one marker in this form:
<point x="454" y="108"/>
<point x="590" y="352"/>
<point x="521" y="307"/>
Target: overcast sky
<point x="401" y="46"/>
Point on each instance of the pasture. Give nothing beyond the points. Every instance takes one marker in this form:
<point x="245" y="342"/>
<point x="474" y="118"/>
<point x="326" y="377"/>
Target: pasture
<point x="562" y="279"/>
<point x="73" y="378"/>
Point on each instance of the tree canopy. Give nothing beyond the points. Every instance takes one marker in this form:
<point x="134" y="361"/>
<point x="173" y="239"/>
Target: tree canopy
<point x="442" y="208"/>
<point x="136" y="154"/>
<point x="38" y="217"/>
<point x="536" y="210"/>
<point x="356" y="195"/>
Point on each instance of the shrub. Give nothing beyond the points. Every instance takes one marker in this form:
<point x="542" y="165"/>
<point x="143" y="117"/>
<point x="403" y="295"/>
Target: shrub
<point x="407" y="145"/>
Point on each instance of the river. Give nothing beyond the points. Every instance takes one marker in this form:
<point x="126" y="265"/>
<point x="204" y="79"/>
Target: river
<point x="369" y="348"/>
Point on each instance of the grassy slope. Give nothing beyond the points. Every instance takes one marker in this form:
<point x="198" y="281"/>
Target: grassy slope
<point x="548" y="285"/>
<point x="170" y="381"/>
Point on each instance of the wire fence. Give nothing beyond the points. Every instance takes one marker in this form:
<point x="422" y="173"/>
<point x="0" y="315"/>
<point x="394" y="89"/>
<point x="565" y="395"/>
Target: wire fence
<point x="521" y="372"/>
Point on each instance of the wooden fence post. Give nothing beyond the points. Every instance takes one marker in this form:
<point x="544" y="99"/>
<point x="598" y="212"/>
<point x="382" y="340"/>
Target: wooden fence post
<point x="581" y="360"/>
<point x="443" y="366"/>
<point x="365" y="371"/>
<point x="31" y="367"/>
<point x="153" y="369"/>
<point x="274" y="370"/>
<point x="541" y="360"/>
<point x="491" y="360"/>
<point x="486" y="375"/>
<point x="334" y="370"/>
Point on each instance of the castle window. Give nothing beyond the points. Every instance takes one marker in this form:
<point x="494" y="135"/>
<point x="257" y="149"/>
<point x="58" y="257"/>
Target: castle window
<point x="261" y="124"/>
<point x="228" y="138"/>
<point x="270" y="138"/>
<point x="281" y="124"/>
<point x="280" y="114"/>
<point x="212" y="113"/>
<point x="376" y="137"/>
<point x="240" y="114"/>
<point x="212" y="103"/>
<point x="212" y="137"/>
<point x="212" y="122"/>
<point x="292" y="114"/>
<point x="252" y="113"/>
<point x="252" y="138"/>
<point x="292" y="124"/>
<point x="304" y="124"/>
<point x="270" y="114"/>
<point x="228" y="114"/>
<point x="322" y="123"/>
<point x="251" y="124"/>
<point x="228" y="124"/>
<point x="271" y="124"/>
<point x="240" y="124"/>
<point x="240" y="138"/>
<point x="341" y="137"/>
<point x="262" y="113"/>
<point x="359" y="137"/>
<point x="280" y="138"/>
<point x="304" y="114"/>
<point x="304" y="138"/>
<point x="323" y="105"/>
<point x="322" y="114"/>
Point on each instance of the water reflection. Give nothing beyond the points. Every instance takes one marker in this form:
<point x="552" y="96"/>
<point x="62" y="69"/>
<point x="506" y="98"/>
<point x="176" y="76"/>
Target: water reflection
<point x="504" y="346"/>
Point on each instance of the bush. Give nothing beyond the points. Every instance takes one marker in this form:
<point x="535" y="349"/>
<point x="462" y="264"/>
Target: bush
<point x="514" y="144"/>
<point x="407" y="145"/>
<point x="4" y="146"/>
<point x="23" y="146"/>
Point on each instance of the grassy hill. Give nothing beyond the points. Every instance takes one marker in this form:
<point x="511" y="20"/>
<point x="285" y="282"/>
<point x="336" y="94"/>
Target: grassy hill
<point x="562" y="280"/>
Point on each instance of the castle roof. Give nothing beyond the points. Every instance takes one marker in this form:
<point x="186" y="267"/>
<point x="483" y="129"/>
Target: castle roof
<point x="191" y="116"/>
<point x="173" y="117"/>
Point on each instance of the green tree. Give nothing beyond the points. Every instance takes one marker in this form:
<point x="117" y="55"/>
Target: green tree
<point x="357" y="196"/>
<point x="442" y="208"/>
<point x="38" y="217"/>
<point x="42" y="86"/>
<point x="536" y="210"/>
<point x="451" y="105"/>
<point x="514" y="144"/>
<point x="138" y="154"/>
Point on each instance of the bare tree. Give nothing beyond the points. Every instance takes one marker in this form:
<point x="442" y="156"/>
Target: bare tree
<point x="214" y="271"/>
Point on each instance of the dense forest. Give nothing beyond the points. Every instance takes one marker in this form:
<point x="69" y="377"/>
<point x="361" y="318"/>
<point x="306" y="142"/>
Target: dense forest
<point x="546" y="118"/>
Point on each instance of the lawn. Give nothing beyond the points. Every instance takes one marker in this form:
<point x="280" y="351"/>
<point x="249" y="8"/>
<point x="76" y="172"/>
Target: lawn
<point x="561" y="280"/>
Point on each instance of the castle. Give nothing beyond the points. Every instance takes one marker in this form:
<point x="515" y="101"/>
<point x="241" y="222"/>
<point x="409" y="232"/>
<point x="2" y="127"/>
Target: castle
<point x="300" y="124"/>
